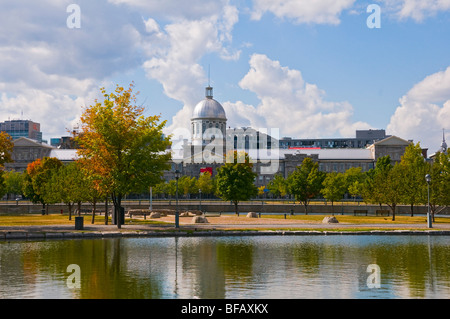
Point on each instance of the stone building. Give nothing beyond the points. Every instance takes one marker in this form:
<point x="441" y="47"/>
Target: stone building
<point x="209" y="143"/>
<point x="26" y="151"/>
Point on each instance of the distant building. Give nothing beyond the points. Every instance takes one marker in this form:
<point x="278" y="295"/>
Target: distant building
<point x="270" y="155"/>
<point x="22" y="128"/>
<point x="363" y="139"/>
<point x="26" y="151"/>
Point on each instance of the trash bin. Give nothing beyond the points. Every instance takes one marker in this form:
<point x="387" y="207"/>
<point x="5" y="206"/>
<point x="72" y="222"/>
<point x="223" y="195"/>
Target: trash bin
<point x="79" y="223"/>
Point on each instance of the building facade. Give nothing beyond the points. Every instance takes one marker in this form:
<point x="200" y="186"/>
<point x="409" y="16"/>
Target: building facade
<point x="22" y="128"/>
<point x="271" y="155"/>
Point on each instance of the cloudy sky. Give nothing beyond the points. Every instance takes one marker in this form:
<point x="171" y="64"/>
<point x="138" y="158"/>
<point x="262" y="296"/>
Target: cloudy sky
<point x="311" y="68"/>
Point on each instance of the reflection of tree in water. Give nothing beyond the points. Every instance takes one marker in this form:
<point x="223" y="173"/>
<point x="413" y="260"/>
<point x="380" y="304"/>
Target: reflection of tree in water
<point x="103" y="268"/>
<point x="415" y="265"/>
<point x="409" y="264"/>
<point x="217" y="267"/>
<point x="200" y="264"/>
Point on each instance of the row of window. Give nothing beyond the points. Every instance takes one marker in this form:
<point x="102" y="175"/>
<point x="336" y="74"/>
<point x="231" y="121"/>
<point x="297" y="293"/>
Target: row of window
<point x="205" y="125"/>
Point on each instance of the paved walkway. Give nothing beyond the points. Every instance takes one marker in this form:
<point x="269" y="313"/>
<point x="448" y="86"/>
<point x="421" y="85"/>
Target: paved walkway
<point x="216" y="225"/>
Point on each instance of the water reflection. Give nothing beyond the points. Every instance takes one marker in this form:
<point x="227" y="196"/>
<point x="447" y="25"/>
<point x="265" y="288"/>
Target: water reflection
<point x="228" y="267"/>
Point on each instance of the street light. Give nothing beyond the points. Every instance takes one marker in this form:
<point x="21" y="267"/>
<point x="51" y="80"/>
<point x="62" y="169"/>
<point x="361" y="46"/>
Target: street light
<point x="151" y="197"/>
<point x="177" y="216"/>
<point x="200" y="196"/>
<point x="428" y="179"/>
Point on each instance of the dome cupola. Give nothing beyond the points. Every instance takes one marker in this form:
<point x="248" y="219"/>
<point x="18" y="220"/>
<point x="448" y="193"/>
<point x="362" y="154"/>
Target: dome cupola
<point x="209" y="108"/>
<point x="208" y="122"/>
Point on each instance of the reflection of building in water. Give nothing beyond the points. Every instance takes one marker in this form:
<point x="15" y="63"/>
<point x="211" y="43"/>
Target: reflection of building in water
<point x="209" y="142"/>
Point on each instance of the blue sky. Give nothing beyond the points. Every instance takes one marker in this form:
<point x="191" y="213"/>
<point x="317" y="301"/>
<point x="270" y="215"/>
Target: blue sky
<point x="309" y="68"/>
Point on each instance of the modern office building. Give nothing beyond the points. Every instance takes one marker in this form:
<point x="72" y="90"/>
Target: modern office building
<point x="22" y="128"/>
<point x="363" y="139"/>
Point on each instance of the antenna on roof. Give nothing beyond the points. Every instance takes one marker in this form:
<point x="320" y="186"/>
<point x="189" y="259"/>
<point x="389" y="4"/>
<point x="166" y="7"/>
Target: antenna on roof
<point x="209" y="90"/>
<point x="209" y="75"/>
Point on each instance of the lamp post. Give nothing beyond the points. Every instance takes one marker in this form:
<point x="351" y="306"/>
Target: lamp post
<point x="151" y="197"/>
<point x="177" y="216"/>
<point x="428" y="180"/>
<point x="200" y="196"/>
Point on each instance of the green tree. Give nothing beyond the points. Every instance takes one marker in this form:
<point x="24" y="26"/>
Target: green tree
<point x="375" y="180"/>
<point x="412" y="170"/>
<point x="278" y="186"/>
<point x="305" y="183"/>
<point x="6" y="149"/>
<point x="383" y="184"/>
<point x="69" y="185"/>
<point x="334" y="188"/>
<point x="14" y="182"/>
<point x="37" y="176"/>
<point x="2" y="184"/>
<point x="235" y="179"/>
<point x="439" y="171"/>
<point x="391" y="185"/>
<point x="123" y="150"/>
<point x="187" y="185"/>
<point x="205" y="183"/>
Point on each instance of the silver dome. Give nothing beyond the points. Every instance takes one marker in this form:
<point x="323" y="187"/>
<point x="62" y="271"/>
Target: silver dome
<point x="209" y="108"/>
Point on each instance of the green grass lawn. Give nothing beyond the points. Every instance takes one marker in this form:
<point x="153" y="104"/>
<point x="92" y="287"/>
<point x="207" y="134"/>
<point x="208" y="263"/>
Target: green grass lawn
<point x="58" y="219"/>
<point x="362" y="219"/>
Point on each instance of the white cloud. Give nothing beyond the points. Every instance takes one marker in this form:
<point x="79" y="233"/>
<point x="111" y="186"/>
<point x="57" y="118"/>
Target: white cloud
<point x="303" y="11"/>
<point x="424" y="111"/>
<point x="417" y="10"/>
<point x="174" y="60"/>
<point x="289" y="103"/>
<point x="49" y="71"/>
<point x="175" y="9"/>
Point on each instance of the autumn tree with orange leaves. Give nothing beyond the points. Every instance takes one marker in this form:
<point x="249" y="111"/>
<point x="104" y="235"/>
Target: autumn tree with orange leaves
<point x="121" y="149"/>
<point x="37" y="175"/>
<point x="6" y="148"/>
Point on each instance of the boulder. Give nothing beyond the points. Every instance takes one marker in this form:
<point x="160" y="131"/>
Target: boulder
<point x="199" y="220"/>
<point x="252" y="215"/>
<point x="330" y="220"/>
<point x="155" y="215"/>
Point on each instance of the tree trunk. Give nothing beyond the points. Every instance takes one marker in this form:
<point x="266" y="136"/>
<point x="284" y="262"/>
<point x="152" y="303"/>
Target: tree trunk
<point x="94" y="204"/>
<point x="69" y="205"/>
<point x="117" y="200"/>
<point x="106" y="210"/>
<point x="393" y="206"/>
<point x="236" y="208"/>
<point x="332" y="208"/>
<point x="412" y="210"/>
<point x="79" y="208"/>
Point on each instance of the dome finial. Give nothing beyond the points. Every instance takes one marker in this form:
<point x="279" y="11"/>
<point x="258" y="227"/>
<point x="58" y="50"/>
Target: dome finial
<point x="209" y="92"/>
<point x="209" y="89"/>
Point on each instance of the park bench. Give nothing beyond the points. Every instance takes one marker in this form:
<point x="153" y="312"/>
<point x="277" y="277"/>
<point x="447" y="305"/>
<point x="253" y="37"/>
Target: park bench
<point x="360" y="212"/>
<point x="139" y="212"/>
<point x="83" y="211"/>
